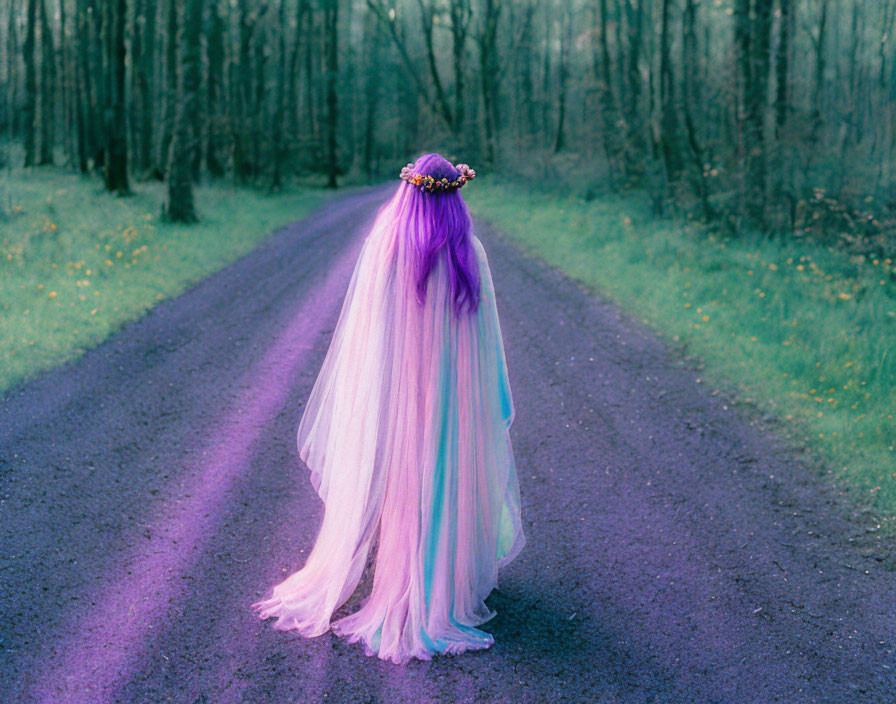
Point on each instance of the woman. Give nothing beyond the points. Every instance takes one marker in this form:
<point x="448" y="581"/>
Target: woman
<point x="406" y="436"/>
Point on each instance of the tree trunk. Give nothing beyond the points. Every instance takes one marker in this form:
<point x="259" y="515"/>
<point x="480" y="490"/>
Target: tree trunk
<point x="143" y="71"/>
<point x="300" y="40"/>
<point x="563" y="75"/>
<point x="136" y="106"/>
<point x="170" y="89"/>
<point x="783" y="200"/>
<point x="545" y="100"/>
<point x="742" y="30"/>
<point x="331" y="49"/>
<point x="191" y="74"/>
<point x="259" y="102"/>
<point x="12" y="52"/>
<point x="689" y="72"/>
<point x="372" y="53"/>
<point x="760" y="62"/>
<point x="852" y="132"/>
<point x="29" y="117"/>
<point x="635" y="146"/>
<point x="278" y="126"/>
<point x="116" y="165"/>
<point x="312" y="111"/>
<point x="782" y="66"/>
<point x="47" y="88"/>
<point x="179" y="205"/>
<point x="215" y="53"/>
<point x="820" y="64"/>
<point x="65" y="86"/>
<point x="82" y="92"/>
<point x="94" y="80"/>
<point x="669" y="143"/>
<point x="527" y="82"/>
<point x="602" y="72"/>
<point x="241" y="81"/>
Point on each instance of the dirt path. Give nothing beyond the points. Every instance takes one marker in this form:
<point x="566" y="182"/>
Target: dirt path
<point x="151" y="490"/>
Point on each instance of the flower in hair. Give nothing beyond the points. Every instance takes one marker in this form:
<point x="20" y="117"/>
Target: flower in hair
<point x="429" y="184"/>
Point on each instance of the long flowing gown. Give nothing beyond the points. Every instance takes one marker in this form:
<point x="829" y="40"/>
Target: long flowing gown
<point x="406" y="436"/>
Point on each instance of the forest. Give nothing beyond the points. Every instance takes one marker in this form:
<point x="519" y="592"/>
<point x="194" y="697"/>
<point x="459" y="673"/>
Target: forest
<point x="770" y="115"/>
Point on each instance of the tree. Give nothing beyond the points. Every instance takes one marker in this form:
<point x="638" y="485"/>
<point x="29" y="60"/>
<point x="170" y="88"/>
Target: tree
<point x="215" y="50"/>
<point x="280" y="110"/>
<point x="179" y="205"/>
<point x="65" y="85"/>
<point x="30" y="112"/>
<point x="782" y="65"/>
<point x="752" y="39"/>
<point x="436" y="102"/>
<point x="13" y="123"/>
<point x="48" y="87"/>
<point x="526" y="78"/>
<point x="169" y="91"/>
<point x="241" y="82"/>
<point x="372" y="92"/>
<point x="83" y="93"/>
<point x="116" y="164"/>
<point x="331" y="49"/>
<point x="668" y="127"/>
<point x="144" y="70"/>
<point x="607" y="99"/>
<point x="725" y="108"/>
<point x="689" y="60"/>
<point x="259" y="104"/>
<point x="819" y="44"/>
<point x="562" y="79"/>
<point x="635" y="146"/>
<point x="782" y="197"/>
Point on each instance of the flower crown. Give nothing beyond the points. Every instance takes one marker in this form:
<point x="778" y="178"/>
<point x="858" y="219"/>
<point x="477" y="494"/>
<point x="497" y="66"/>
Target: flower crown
<point x="430" y="184"/>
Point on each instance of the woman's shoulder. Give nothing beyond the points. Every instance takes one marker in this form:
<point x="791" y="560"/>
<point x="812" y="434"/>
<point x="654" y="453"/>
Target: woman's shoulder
<point x="477" y="245"/>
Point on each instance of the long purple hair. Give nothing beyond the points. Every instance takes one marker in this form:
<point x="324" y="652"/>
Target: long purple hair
<point x="439" y="224"/>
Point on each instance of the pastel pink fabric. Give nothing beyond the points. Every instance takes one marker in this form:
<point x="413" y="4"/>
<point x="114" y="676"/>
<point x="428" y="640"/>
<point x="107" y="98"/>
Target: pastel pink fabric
<point x="406" y="436"/>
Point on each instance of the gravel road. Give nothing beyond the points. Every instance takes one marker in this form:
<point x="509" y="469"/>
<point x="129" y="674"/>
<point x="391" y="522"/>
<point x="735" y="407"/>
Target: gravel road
<point x="678" y="551"/>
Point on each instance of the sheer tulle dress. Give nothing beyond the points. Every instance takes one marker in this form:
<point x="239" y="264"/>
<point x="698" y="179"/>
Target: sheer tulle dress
<point x="406" y="436"/>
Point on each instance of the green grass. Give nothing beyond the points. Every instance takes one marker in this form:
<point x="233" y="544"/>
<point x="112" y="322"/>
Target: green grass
<point x="76" y="262"/>
<point x="794" y="329"/>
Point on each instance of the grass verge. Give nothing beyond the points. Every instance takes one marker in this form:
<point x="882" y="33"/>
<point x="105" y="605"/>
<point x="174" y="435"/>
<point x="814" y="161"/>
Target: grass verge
<point x="804" y="332"/>
<point x="77" y="262"/>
